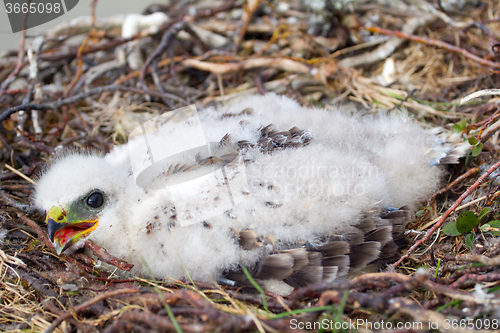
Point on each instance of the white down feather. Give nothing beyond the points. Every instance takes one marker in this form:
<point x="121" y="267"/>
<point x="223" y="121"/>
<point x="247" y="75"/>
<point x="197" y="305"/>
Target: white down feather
<point x="352" y="165"/>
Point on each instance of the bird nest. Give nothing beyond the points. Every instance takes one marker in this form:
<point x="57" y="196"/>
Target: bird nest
<point x="92" y="90"/>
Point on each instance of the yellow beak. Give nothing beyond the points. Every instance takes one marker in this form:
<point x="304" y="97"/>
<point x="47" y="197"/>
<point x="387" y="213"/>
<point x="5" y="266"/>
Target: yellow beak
<point x="62" y="233"/>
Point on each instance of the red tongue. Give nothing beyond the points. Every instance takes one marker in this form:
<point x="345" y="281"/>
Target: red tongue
<point x="64" y="234"/>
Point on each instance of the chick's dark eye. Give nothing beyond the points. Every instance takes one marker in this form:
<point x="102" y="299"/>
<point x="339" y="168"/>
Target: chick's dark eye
<point x="95" y="200"/>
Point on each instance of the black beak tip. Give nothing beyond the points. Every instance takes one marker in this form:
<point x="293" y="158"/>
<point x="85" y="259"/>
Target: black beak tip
<point x="52" y="227"/>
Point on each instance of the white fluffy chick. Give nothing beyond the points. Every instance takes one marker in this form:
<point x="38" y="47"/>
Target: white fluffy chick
<point x="313" y="197"/>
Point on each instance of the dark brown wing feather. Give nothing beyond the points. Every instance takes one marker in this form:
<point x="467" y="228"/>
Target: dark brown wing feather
<point x="373" y="240"/>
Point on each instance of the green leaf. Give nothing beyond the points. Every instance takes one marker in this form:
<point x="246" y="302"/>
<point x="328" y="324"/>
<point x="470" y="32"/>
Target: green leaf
<point x="422" y="211"/>
<point x="472" y="141"/>
<point x="451" y="229"/>
<point x="469" y="241"/>
<point x="495" y="224"/>
<point x="460" y="126"/>
<point x="477" y="149"/>
<point x="453" y="303"/>
<point x="493" y="289"/>
<point x="456" y="128"/>
<point x="485" y="211"/>
<point x="466" y="222"/>
<point x="437" y="268"/>
<point x="257" y="286"/>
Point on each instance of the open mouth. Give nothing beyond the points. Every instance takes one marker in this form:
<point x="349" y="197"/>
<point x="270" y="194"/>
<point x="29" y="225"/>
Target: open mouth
<point x="69" y="234"/>
<point x="64" y="234"/>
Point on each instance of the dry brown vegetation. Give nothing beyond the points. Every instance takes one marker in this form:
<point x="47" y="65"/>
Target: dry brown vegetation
<point x="81" y="91"/>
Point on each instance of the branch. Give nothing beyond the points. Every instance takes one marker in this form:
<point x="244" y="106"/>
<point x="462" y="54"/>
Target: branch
<point x="75" y="98"/>
<point x="286" y="65"/>
<point x="447" y="213"/>
<point x="437" y="43"/>
<point x="85" y="305"/>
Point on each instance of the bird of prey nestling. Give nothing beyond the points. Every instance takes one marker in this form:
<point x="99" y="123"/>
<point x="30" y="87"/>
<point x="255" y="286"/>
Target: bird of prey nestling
<point x="297" y="195"/>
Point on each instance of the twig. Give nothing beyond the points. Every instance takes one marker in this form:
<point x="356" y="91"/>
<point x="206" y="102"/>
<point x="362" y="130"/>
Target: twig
<point x="157" y="81"/>
<point x="173" y="72"/>
<point x="468" y="280"/>
<point x="13" y="203"/>
<point x="38" y="146"/>
<point x="414" y="282"/>
<point x="493" y="197"/>
<point x="403" y="101"/>
<point x="484" y="124"/>
<point x="480" y="93"/>
<point x="12" y="153"/>
<point x="82" y="327"/>
<point x="23" y="176"/>
<point x="34" y="283"/>
<point x="249" y="9"/>
<point x="437" y="43"/>
<point x="164" y="43"/>
<point x="93" y="6"/>
<point x="92" y="139"/>
<point x="156" y="322"/>
<point x="91" y="35"/>
<point x="27" y="170"/>
<point x="20" y="55"/>
<point x="49" y="55"/>
<point x="75" y="98"/>
<point x="259" y="85"/>
<point x="404" y="306"/>
<point x="38" y="230"/>
<point x="55" y="105"/>
<point x="383" y="51"/>
<point x="463" y="176"/>
<point x="494" y="44"/>
<point x="495" y="261"/>
<point x="284" y="64"/>
<point x="13" y="91"/>
<point x="79" y="67"/>
<point x="447" y="213"/>
<point x="252" y="298"/>
<point x="23" y="113"/>
<point x="84" y="305"/>
<point x="468" y="204"/>
<point x="25" y="188"/>
<point x="456" y="273"/>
